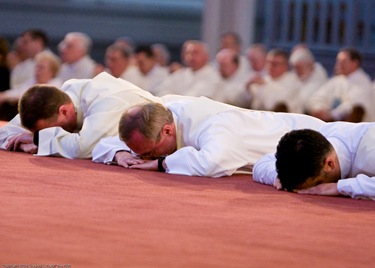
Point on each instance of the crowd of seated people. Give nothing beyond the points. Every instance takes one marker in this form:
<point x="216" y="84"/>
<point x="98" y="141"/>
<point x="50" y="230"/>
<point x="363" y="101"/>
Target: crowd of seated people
<point x="252" y="77"/>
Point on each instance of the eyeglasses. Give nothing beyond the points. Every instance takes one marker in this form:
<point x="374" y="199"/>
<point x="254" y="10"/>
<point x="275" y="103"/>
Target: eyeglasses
<point x="148" y="155"/>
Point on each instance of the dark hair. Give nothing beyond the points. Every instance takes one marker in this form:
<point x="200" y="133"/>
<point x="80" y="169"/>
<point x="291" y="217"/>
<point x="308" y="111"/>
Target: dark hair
<point x="300" y="155"/>
<point x="353" y="53"/>
<point x="146" y="50"/>
<point x="38" y="34"/>
<point x="40" y="102"/>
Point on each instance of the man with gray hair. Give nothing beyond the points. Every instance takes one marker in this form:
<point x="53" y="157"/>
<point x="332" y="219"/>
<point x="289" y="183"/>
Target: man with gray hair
<point x="311" y="73"/>
<point x="74" y="51"/>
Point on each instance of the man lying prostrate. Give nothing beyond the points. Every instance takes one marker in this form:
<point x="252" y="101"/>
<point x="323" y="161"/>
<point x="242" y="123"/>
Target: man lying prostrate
<point x="337" y="160"/>
<point x="69" y="122"/>
<point x="196" y="137"/>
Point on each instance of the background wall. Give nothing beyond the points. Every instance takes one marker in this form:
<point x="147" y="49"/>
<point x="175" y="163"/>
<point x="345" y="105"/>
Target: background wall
<point x="173" y="21"/>
<point x="146" y="22"/>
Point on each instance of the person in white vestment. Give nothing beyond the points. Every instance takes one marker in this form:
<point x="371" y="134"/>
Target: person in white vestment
<point x="73" y="119"/>
<point x="45" y="72"/>
<point x="118" y="63"/>
<point x="198" y="78"/>
<point x="257" y="56"/>
<point x="29" y="44"/>
<point x="151" y="73"/>
<point x="279" y="89"/>
<point x="311" y="73"/>
<point x="196" y="137"/>
<point x="337" y="160"/>
<point x="348" y="95"/>
<point x="232" y="86"/>
<point x="74" y="51"/>
<point x="233" y="40"/>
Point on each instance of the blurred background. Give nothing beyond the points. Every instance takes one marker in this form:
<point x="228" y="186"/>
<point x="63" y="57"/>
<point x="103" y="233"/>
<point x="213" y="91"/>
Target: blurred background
<point x="324" y="25"/>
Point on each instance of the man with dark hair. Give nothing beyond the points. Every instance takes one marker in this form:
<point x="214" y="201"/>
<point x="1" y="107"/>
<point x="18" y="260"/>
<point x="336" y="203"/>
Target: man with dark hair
<point x="30" y="43"/>
<point x="151" y="73"/>
<point x="69" y="122"/>
<point x="198" y="136"/>
<point x="339" y="159"/>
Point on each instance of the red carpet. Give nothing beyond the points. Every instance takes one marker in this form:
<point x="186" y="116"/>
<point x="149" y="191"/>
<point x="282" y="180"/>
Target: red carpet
<point x="60" y="211"/>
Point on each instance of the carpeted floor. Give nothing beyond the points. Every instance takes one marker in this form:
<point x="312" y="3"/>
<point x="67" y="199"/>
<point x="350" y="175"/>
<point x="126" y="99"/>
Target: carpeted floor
<point x="82" y="214"/>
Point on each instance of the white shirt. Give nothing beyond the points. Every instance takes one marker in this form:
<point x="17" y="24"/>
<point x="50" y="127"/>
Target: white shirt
<point x="22" y="72"/>
<point x="152" y="79"/>
<point x="285" y="89"/>
<point x="232" y="90"/>
<point x="188" y="83"/>
<point x="99" y="103"/>
<point x="354" y="144"/>
<point x="131" y="74"/>
<point x="341" y="93"/>
<point x="216" y="139"/>
<point x="312" y="83"/>
<point x="82" y="69"/>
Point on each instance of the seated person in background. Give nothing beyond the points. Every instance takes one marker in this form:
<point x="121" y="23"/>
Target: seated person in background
<point x="348" y="95"/>
<point x="257" y="56"/>
<point x="279" y="90"/>
<point x="198" y="136"/>
<point x="28" y="45"/>
<point x="73" y="119"/>
<point x="232" y="40"/>
<point x="129" y="44"/>
<point x="151" y="74"/>
<point x="198" y="78"/>
<point x="162" y="55"/>
<point x="311" y="74"/>
<point x="74" y="52"/>
<point x="231" y="88"/>
<point x="336" y="160"/>
<point x="46" y="69"/>
<point x="117" y="61"/>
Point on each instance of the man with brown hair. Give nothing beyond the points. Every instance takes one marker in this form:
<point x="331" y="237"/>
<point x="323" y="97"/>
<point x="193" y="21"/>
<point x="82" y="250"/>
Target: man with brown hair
<point x="73" y="119"/>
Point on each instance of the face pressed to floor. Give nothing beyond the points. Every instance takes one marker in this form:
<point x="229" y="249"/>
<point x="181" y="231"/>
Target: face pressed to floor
<point x="149" y="149"/>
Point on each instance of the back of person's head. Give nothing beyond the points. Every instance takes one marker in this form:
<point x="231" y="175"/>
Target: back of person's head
<point x="300" y="155"/>
<point x="40" y="102"/>
<point x="148" y="119"/>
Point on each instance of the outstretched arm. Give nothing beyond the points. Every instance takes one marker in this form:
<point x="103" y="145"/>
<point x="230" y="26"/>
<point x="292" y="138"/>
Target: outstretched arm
<point x="264" y="170"/>
<point x="361" y="187"/>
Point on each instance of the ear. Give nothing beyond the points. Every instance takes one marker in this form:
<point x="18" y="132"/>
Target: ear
<point x="168" y="129"/>
<point x="63" y="110"/>
<point x="329" y="163"/>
